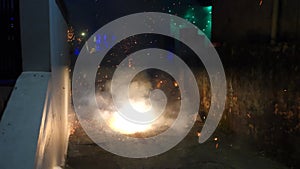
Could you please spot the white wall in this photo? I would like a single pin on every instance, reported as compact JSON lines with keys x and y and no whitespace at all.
{"x":34,"y":129}
{"x":21,"y":121}
{"x":54,"y":141}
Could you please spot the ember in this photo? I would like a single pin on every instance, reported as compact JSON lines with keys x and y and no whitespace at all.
{"x":198,"y":134}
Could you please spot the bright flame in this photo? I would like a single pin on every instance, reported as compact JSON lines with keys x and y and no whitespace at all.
{"x":124,"y":126}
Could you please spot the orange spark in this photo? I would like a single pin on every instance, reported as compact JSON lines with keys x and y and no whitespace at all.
{"x":198,"y":134}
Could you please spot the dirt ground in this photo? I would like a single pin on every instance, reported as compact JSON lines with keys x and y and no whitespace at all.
{"x":227,"y":152}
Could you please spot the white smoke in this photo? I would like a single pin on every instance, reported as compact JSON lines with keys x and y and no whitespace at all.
{"x":138,"y":92}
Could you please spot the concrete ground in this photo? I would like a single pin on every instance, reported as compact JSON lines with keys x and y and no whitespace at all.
{"x":227,"y":152}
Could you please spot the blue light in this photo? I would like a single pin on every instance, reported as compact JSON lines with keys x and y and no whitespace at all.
{"x":76,"y":51}
{"x":98,"y":39}
{"x":98,"y":42}
{"x":170,"y":56}
{"x":105,"y":42}
{"x":113,"y":38}
{"x":98,"y":47}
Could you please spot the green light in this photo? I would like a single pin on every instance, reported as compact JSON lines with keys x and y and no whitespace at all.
{"x":82,"y":33}
{"x":208,"y":8}
{"x":201,"y":17}
{"x":170,"y":11}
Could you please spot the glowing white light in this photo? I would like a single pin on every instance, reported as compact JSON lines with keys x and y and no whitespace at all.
{"x":57,"y":167}
{"x":140,"y":106}
{"x":124,"y":126}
